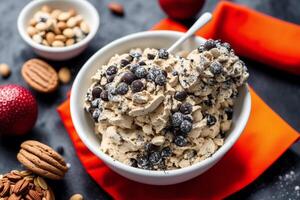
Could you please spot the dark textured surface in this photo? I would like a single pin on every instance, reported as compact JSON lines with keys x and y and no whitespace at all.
{"x":279,"y":90}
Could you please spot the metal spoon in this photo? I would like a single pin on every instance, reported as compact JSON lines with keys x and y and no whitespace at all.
{"x":203,"y":19}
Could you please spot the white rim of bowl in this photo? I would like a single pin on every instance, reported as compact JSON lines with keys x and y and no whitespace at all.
{"x":106,"y":158}
{"x":94,"y":27}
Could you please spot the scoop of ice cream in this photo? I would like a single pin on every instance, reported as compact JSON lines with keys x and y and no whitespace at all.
{"x":155,"y":110}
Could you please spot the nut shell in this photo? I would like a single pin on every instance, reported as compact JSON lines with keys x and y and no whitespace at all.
{"x":40,"y":75}
{"x":42,"y":160}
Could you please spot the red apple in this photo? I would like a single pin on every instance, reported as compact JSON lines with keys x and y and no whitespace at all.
{"x":181,"y":9}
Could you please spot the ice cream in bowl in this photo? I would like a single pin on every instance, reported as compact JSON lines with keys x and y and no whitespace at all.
{"x":157,"y":117}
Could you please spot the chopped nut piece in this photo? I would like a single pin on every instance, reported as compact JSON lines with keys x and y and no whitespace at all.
{"x":5,"y":70}
{"x":76,"y":197}
{"x":64,"y":75}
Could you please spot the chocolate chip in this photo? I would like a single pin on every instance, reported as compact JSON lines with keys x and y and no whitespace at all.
{"x":150,"y":56}
{"x":211,"y":120}
{"x":136,"y":55}
{"x":166,"y":152}
{"x":149,"y":147}
{"x":188,"y":118}
{"x":96,"y":92}
{"x":216,"y":68}
{"x":155,"y":158}
{"x":153,"y":73}
{"x":111,"y":70}
{"x":142,"y":63}
{"x":234,"y":94}
{"x":209,"y":44}
{"x":174,"y":73}
{"x":151,"y":76}
{"x":104,"y":95}
{"x":124,"y":62}
{"x":128,"y":77}
{"x":207,"y":102}
{"x":142,"y":161}
{"x":201,"y":49}
{"x":140,"y":72}
{"x":96,"y":114}
{"x":110,"y":78}
{"x":95,"y":103}
{"x":160,"y":80}
{"x":163,"y":54}
{"x":133,"y":67}
{"x":137,"y":86}
{"x":177,"y":119}
{"x":226,"y":45}
{"x":229,"y":113}
{"x":186,"y":108}
{"x":180,"y":141}
{"x":186,"y":126}
{"x":133,"y":162}
{"x":122,"y":88}
{"x":180,"y":95}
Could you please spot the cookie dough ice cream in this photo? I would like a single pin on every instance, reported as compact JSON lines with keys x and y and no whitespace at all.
{"x":154,"y":110}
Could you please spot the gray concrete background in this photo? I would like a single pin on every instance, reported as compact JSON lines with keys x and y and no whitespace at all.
{"x":281,"y":91}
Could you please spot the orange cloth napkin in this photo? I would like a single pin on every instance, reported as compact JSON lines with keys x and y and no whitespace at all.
{"x":252,"y":34}
{"x":265,"y":138}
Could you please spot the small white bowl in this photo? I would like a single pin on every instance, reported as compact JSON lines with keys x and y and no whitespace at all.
{"x":84,"y":125}
{"x":84,"y":8}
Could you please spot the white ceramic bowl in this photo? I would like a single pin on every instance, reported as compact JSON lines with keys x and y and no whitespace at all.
{"x":84,"y":8}
{"x":84,"y":125}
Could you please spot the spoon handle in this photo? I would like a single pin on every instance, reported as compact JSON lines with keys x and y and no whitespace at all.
{"x":203,"y":19}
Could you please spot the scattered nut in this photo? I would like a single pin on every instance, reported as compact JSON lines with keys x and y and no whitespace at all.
{"x":58,"y":43}
{"x":44,"y":42}
{"x":69,"y":42}
{"x":64,"y":16}
{"x":32,"y":22}
{"x":4,"y":70}
{"x":62,"y":25}
{"x":41,"y":26}
{"x":40,"y":75}
{"x":72,"y":12}
{"x":31,"y":31}
{"x":60,"y":38}
{"x":37,"y":38}
{"x":57,"y":28}
{"x":68,"y":33}
{"x":46,"y":9}
{"x":42,"y":183}
{"x":24,"y":185}
{"x":72,"y":22}
{"x":43,"y":161}
{"x":64,"y":75}
{"x":50,"y":36}
{"x":76,"y":197}
{"x":84,"y":27}
{"x":116,"y":8}
{"x":55,"y":13}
